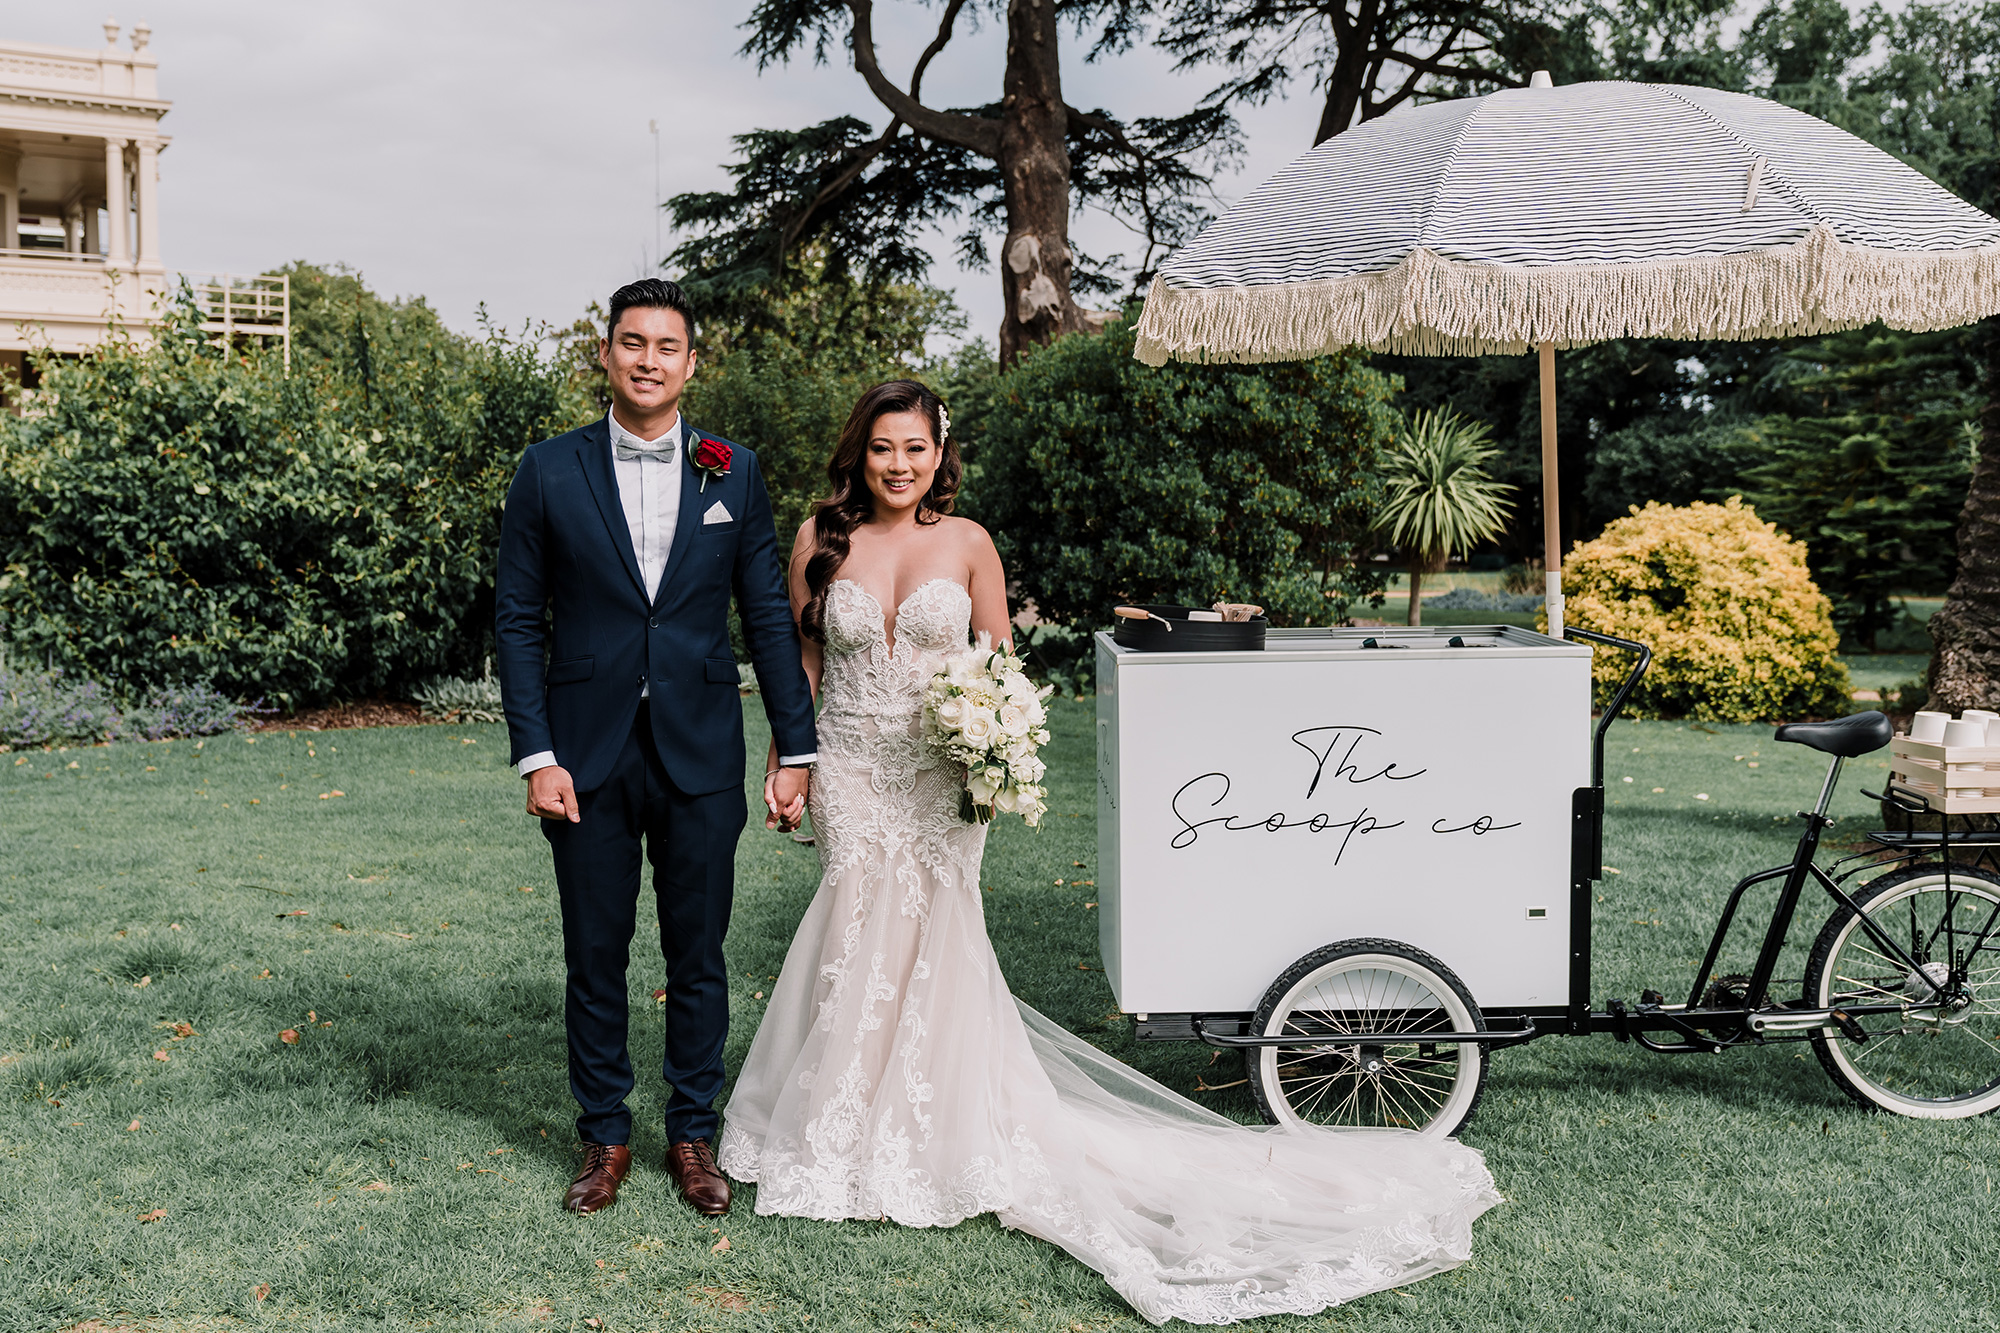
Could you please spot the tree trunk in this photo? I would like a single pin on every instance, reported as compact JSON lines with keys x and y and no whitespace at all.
{"x":1965,"y":633}
{"x":1416,"y":612}
{"x":1034,"y":167}
{"x":1344,"y":81}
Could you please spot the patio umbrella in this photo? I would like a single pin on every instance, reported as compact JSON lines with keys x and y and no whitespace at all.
{"x":1553,"y":217}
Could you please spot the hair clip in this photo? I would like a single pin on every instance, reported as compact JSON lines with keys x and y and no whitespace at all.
{"x":944,"y":422}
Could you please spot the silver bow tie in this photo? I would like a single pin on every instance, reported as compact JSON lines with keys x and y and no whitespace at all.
{"x":625,"y":452}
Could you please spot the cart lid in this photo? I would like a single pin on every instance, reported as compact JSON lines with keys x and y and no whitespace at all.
{"x":1372,"y":642}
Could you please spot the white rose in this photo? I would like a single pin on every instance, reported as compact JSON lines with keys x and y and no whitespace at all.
{"x":978,"y":728}
{"x":1007,"y":799}
{"x":1013,"y":721}
{"x":951,"y":712}
{"x":1029,"y":768}
{"x":982,"y":790}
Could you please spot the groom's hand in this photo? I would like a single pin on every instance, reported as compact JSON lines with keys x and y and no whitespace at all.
{"x":551,"y":794}
{"x":785,"y":795}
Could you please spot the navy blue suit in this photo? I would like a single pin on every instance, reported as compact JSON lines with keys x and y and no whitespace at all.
{"x":576,"y":639}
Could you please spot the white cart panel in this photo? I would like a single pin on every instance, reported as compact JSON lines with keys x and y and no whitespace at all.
{"x":1255,"y":806}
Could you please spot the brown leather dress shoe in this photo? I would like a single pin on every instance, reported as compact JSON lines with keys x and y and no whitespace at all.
{"x":692,"y":1165}
{"x":596,"y":1186}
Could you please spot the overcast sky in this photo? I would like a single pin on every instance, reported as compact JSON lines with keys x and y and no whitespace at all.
{"x":499,"y":151}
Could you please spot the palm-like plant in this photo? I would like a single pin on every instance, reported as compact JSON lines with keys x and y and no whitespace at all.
{"x":1441,"y":500}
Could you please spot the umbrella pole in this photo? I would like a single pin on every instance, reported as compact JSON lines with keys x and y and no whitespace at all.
{"x":1551,"y":501}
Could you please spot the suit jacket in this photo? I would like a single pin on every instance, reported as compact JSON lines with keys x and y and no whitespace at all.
{"x":576,"y":636}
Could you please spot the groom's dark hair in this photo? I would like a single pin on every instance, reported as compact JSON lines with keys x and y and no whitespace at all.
{"x":654,"y":293}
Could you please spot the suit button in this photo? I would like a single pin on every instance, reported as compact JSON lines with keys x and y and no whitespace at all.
{"x":653,"y":623}
{"x":642,"y":679}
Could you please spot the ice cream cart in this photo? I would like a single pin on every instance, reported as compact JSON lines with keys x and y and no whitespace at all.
{"x":1366,"y":857}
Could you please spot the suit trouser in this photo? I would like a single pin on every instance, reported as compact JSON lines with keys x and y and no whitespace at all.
{"x":691,"y":842}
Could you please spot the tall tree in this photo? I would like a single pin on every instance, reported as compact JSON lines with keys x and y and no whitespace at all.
{"x":1020,"y":164}
{"x":1361,"y":58}
{"x":1868,"y":467}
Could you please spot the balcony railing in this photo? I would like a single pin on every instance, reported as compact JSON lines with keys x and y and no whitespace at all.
{"x":39,"y":253}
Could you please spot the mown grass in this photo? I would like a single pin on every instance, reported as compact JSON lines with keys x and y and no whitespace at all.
{"x":400,"y":1165}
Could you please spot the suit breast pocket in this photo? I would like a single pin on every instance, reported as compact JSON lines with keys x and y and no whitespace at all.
{"x":571,"y":669}
{"x":720,"y":529}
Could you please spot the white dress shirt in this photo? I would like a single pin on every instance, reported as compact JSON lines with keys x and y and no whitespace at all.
{"x":649,"y":491}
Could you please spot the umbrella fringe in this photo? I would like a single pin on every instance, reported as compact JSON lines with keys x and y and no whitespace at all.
{"x":1428,"y":305}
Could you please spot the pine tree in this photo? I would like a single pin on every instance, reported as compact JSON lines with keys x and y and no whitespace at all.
{"x":1870,"y":465}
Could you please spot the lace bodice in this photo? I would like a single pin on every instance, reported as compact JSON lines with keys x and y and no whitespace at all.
{"x":867,"y":674}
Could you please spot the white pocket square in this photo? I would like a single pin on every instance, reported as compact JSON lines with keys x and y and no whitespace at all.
{"x":717,"y":513}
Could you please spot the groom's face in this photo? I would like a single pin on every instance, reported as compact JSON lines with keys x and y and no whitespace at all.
{"x":648,"y":360}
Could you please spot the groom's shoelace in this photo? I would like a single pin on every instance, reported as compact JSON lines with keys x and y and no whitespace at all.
{"x":699,"y":1150}
{"x":594,"y":1158}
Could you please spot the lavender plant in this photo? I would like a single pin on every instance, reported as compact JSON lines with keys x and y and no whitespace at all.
{"x":55,"y":707}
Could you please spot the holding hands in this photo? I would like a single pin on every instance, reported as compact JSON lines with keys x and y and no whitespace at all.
{"x":785,"y":797}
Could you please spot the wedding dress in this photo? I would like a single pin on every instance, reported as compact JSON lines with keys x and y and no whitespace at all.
{"x":894,"y":1076}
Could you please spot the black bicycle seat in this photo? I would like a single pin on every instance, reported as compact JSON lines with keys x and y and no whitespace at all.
{"x":1848,"y":737}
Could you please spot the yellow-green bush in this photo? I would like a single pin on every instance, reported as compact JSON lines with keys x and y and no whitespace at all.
{"x":1738,"y":629}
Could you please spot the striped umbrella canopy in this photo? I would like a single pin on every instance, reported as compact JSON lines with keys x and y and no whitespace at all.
{"x":1553,"y":217}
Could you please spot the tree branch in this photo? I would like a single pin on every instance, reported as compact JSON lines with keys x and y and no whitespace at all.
{"x":834,"y":188}
{"x":974,"y":133}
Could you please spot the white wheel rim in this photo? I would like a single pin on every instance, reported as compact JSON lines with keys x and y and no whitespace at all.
{"x":1856,"y":968}
{"x":1371,"y":992}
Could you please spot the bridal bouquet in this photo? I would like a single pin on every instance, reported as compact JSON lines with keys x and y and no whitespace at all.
{"x":981,"y":710}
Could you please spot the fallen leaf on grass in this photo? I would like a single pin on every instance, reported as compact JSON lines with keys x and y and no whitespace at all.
{"x":143,"y":982}
{"x":157,"y":1215}
{"x":497,"y":1151}
{"x":729,"y":1301}
{"x":289,"y":1036}
{"x":162,"y":1056}
{"x":527,"y":889}
{"x":329,"y":795}
{"x":377,"y":1185}
{"x":133,"y":1126}
{"x":181,"y":1030}
{"x":593,"y":1323}
{"x":660,"y":995}
{"x":600,"y":1263}
{"x":261,"y":1291}
{"x":720,"y":1246}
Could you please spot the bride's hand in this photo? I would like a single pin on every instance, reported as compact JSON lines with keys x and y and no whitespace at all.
{"x":785,"y":798}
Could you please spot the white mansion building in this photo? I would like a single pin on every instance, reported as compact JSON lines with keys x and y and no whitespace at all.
{"x":80,"y":147}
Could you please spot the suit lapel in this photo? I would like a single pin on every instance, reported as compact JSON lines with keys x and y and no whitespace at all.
{"x":690,"y":519}
{"x":595,"y":456}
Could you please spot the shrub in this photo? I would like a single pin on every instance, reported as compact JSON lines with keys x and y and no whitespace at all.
{"x":1472,"y":599}
{"x":52,"y":707}
{"x":177,"y":512}
{"x":1105,"y":481}
{"x":462,"y":698}
{"x":1738,"y":630}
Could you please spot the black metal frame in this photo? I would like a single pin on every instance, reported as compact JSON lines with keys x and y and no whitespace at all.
{"x":1692,"y":1027}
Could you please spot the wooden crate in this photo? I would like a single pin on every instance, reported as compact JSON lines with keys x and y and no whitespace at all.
{"x":1933,"y":770}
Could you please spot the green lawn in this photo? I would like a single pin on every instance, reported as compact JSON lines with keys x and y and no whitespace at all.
{"x":400,"y":1165}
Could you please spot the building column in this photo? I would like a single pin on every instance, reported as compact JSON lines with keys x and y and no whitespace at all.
{"x":116,"y":208}
{"x":10,"y":198}
{"x":148,"y":171}
{"x":73,"y":229}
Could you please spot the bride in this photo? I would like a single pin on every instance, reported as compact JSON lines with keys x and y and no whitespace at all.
{"x":894,"y":1076}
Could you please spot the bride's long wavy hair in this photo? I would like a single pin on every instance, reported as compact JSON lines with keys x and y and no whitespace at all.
{"x":850,"y":503}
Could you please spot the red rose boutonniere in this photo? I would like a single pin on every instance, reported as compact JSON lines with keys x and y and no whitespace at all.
{"x":711,"y":458}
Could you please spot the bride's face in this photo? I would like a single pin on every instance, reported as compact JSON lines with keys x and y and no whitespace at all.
{"x":900,"y":460}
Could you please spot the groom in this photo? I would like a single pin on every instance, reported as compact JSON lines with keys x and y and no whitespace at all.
{"x":619,"y":549}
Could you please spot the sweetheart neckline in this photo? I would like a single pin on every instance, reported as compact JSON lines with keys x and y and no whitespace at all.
{"x":888,"y":641}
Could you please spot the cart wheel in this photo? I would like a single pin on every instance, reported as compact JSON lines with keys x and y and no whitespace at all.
{"x":1934,"y":1062}
{"x":1401,"y":1082}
